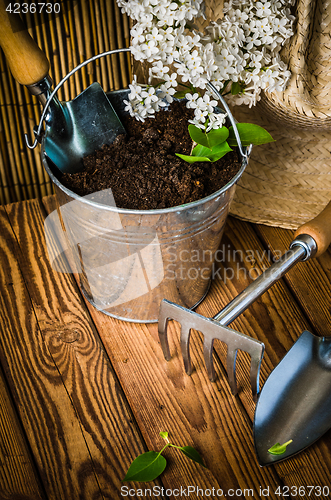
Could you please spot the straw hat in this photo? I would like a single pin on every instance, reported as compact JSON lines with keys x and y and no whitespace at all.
{"x":288,"y":182}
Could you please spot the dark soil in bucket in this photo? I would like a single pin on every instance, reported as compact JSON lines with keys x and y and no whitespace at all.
{"x":142,"y":169}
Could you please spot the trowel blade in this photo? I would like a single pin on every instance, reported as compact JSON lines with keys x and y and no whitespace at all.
{"x":295,"y":401}
{"x":79,"y":127}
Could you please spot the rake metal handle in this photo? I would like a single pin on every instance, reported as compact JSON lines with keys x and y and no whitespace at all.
{"x":302,"y":248}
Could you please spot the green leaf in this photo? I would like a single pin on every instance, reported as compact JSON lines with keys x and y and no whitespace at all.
{"x":209,"y":139}
{"x":192,"y":159}
{"x":200,"y":153}
{"x":219,"y":151}
{"x":164,"y":434}
{"x":146,"y":467}
{"x":198,"y":136}
{"x":279,"y":449}
{"x":217,"y":136}
{"x":180,"y":94}
{"x":249,"y":134}
{"x":224,"y":146}
{"x":192,"y":453}
{"x":200,"y":150}
{"x":236,"y":88}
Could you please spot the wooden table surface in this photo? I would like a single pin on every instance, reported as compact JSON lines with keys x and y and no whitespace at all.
{"x":83,"y":394}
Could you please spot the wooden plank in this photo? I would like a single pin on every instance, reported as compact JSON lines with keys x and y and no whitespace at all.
{"x":18,"y":477}
{"x":194,"y":412}
{"x":310,"y":281}
{"x":80,"y":428}
{"x":208,"y":416}
{"x":276,"y":318}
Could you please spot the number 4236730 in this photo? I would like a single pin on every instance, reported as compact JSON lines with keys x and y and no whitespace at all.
{"x":33,"y":8}
{"x":300,"y":491}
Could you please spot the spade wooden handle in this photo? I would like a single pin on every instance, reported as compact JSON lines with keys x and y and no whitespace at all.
{"x":27,"y":62}
{"x":319,"y":229}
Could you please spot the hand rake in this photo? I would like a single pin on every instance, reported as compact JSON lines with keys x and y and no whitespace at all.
{"x":309,"y":240}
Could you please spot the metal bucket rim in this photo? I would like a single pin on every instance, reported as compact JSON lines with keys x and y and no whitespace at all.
{"x":177,"y":208}
{"x":157,"y":211}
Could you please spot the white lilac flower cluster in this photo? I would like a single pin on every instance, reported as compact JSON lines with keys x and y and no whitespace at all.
{"x":238,"y":54}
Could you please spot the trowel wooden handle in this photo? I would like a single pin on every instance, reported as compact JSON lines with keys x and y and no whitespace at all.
{"x":27,"y":62}
{"x":319,"y":229}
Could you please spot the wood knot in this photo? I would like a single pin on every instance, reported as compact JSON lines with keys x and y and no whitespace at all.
{"x":68,"y":335}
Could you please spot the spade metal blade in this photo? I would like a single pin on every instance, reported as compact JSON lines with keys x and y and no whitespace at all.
{"x":295,"y":401}
{"x":79,"y":127}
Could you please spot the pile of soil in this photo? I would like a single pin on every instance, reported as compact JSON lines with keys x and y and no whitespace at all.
{"x":142,"y":169}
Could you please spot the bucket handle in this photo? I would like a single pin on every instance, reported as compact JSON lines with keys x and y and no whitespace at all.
{"x":50,"y":97}
{"x":232,"y":120}
{"x":117,"y":51}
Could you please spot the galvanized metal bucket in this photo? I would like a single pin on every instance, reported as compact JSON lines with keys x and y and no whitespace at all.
{"x":129,"y":260}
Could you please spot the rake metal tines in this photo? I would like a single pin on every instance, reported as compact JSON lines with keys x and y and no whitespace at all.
{"x":211,"y":330}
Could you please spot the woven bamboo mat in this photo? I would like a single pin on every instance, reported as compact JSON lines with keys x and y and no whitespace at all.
{"x":82,"y":29}
{"x":285,"y":183}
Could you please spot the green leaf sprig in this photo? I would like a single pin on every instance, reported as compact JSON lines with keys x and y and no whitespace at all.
{"x":148,"y":466}
{"x":213,"y":145}
{"x":279,"y":449}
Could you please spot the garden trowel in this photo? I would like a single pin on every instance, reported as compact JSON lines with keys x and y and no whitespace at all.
{"x":295,"y":402}
{"x":74,"y":129}
{"x":294,"y":405}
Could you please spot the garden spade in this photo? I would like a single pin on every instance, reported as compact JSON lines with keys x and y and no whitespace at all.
{"x":294,"y":405}
{"x":74,"y":129}
{"x":313,"y":355}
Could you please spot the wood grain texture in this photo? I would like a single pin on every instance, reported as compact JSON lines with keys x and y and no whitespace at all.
{"x":319,"y":229}
{"x":310,"y":281}
{"x":194,"y":411}
{"x":277,"y":318}
{"x":207,"y":415}
{"x":18,"y":477}
{"x":27,"y":62}
{"x":78,"y":421}
{"x":83,"y":29}
{"x":80,"y":428}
